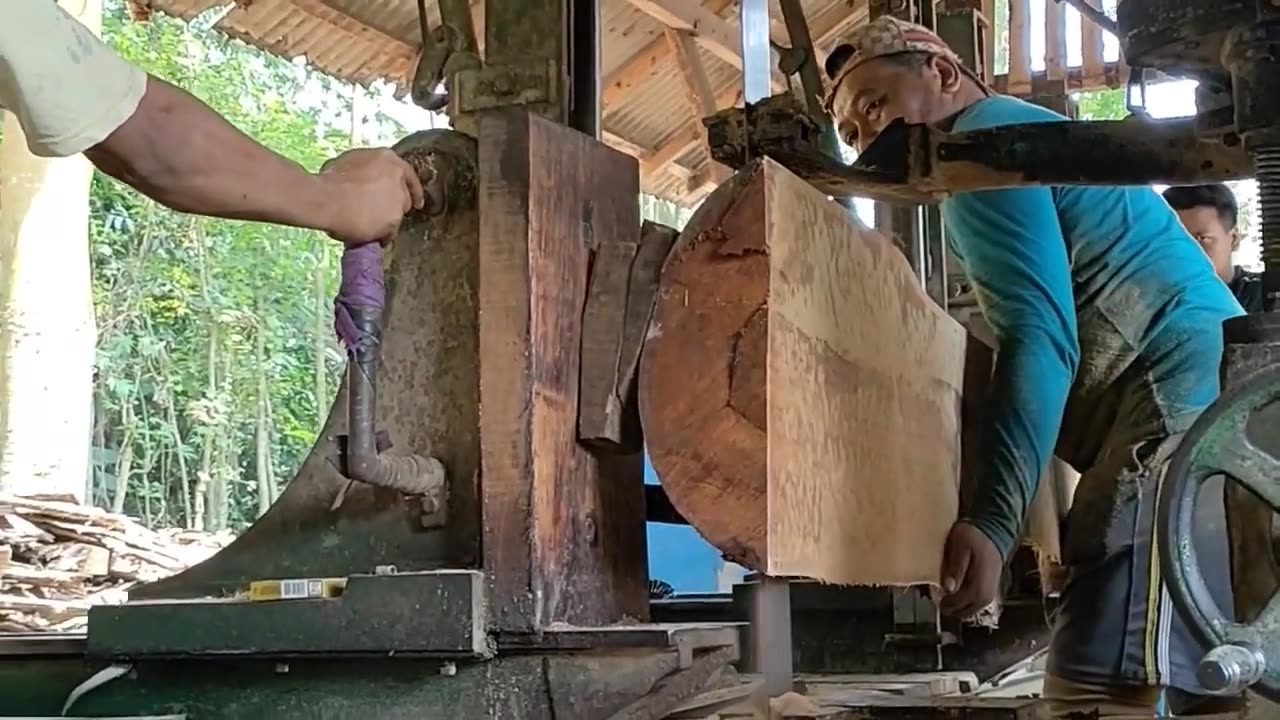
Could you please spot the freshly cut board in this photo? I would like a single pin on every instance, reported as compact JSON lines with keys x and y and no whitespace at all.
{"x":801,"y":394}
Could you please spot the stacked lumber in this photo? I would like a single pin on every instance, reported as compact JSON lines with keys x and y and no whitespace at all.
{"x":58,"y":557}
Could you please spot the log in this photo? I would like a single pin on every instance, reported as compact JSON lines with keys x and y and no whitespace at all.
{"x":800,"y":393}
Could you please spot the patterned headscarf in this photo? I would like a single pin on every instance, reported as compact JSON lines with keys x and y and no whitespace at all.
{"x":886,"y":35}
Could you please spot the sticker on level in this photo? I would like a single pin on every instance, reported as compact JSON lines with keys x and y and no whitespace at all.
{"x":296,"y":589}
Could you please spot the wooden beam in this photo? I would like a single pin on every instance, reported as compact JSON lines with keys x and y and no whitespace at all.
{"x":639,"y":152}
{"x":697,"y":85}
{"x":644,"y":64}
{"x":718,"y":36}
{"x":682,"y":142}
{"x":686,"y":138}
{"x":1055,"y":40}
{"x":379,"y":38}
{"x":621,"y":144}
{"x":1019,"y":46}
{"x":1093,"y":62}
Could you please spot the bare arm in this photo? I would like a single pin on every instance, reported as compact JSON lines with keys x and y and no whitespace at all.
{"x":180,"y":153}
{"x":71,"y":94}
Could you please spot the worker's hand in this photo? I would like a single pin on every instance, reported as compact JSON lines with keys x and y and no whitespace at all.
{"x":971,"y":567}
{"x":372,"y":190}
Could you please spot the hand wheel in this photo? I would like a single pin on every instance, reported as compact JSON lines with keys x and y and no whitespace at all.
{"x":1240,"y":654}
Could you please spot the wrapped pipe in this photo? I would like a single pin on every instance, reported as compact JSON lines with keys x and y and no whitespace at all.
{"x":358,"y":322}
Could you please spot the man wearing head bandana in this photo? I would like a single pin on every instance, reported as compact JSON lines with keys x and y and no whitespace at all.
{"x":1108,"y":321}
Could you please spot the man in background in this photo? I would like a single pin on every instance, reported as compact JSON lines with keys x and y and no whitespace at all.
{"x":73,"y":94}
{"x":1210,"y":213}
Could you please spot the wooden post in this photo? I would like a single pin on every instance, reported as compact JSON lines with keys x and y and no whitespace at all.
{"x":563,"y":529}
{"x":49,"y":332}
{"x":1093,"y":69}
{"x":1019,"y":47}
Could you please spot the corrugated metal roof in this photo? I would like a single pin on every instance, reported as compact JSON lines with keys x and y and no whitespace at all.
{"x":367,"y":40}
{"x":647,"y":114}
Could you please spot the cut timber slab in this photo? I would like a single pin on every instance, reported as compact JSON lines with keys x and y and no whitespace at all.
{"x":800,"y":393}
{"x":562,"y":526}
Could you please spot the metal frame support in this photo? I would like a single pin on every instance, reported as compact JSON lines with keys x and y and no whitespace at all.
{"x":584,"y":66}
{"x":771,"y":646}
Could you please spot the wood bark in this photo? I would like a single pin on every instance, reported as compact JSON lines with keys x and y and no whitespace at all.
{"x":47,"y":335}
{"x":801,"y":395}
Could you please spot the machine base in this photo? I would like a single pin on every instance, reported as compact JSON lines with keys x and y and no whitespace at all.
{"x":627,"y":672}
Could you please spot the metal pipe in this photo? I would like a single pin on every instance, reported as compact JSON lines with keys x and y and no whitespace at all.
{"x":411,"y":474}
{"x":584,"y":66}
{"x":811,"y":85}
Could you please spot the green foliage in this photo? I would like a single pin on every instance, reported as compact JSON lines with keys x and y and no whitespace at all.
{"x":182,"y":301}
{"x":1102,"y":105}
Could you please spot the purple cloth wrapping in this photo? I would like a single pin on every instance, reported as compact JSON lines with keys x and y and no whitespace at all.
{"x":362,"y":286}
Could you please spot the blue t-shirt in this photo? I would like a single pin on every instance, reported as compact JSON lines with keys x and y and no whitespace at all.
{"x":1077,"y":283}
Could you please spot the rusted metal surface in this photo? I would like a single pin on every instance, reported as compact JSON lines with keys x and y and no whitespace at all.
{"x":451,"y":47}
{"x":916,"y":164}
{"x":435,"y":614}
{"x":430,"y":355}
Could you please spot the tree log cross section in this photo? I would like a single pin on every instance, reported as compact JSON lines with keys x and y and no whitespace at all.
{"x":800,"y":393}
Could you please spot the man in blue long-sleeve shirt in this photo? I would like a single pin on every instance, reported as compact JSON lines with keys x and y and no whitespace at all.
{"x":1108,"y":319}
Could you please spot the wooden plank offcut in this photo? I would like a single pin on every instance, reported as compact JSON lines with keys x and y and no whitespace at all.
{"x":563,"y":529}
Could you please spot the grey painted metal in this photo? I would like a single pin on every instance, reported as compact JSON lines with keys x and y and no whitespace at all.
{"x":1231,"y":669}
{"x":771,"y":633}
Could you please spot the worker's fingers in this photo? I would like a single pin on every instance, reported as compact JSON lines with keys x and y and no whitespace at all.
{"x":961,"y":604}
{"x":956,"y":558}
{"x":416,"y":194}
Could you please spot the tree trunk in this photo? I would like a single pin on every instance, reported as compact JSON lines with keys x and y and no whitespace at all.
{"x":204,"y":479}
{"x":262,"y":435}
{"x":184,"y":477}
{"x":224,"y":472}
{"x":100,"y":443}
{"x":124,"y":462}
{"x":321,"y":333}
{"x":47,"y":335}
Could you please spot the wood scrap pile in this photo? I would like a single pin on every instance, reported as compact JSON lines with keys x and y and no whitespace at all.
{"x":58,"y":557}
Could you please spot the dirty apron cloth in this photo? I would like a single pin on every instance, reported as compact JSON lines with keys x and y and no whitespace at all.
{"x":1115,"y":622}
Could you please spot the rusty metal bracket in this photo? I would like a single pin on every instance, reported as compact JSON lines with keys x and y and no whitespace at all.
{"x":918,"y":165}
{"x":499,"y":86}
{"x":447,"y":50}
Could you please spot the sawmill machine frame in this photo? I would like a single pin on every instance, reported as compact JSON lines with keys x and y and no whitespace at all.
{"x":476,"y":492}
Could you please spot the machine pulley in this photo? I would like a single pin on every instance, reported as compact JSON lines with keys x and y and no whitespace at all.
{"x":1245,"y":652}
